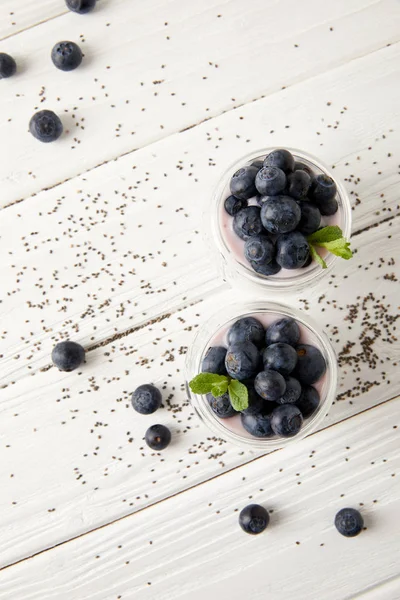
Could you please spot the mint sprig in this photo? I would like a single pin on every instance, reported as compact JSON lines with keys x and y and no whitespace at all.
{"x":217,"y":385}
{"x":332,"y":239}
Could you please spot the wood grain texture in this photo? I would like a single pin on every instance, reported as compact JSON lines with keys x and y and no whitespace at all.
{"x":191,"y":546}
{"x":16,"y":17}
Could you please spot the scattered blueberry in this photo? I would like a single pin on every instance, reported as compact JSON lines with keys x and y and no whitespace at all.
{"x":292,"y":250}
{"x":266,"y":269}
{"x":253,"y":519}
{"x":157,"y":437}
{"x":68,"y":356}
{"x":214,"y":360}
{"x":292,"y":392}
{"x":66,"y":56}
{"x":242,"y":183}
{"x":247,"y":329}
{"x":308,"y":401}
{"x":80,"y":6}
{"x":247,"y":222}
{"x":233,"y":205}
{"x":349,"y":522}
{"x":299,"y":183}
{"x":270,"y":385}
{"x":284,"y":330}
{"x":282,"y":159}
{"x":7,"y":65}
{"x":221,"y":406}
{"x":45,"y":126}
{"x":257,"y":423}
{"x":323,"y":188}
{"x":280,"y":214}
{"x":270,"y":181}
{"x":259,"y":249}
{"x":310,"y":364}
{"x":286,"y":420}
{"x":310,"y":219}
{"x":280,"y":357}
{"x":242,"y":360}
{"x":146,"y":399}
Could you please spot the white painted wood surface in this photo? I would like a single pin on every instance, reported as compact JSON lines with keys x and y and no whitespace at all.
{"x":113,"y":256}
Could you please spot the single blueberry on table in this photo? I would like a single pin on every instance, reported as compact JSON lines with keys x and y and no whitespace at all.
{"x":66,"y":56}
{"x":45,"y":126}
{"x":292,"y":392}
{"x":259,"y":249}
{"x":221,"y":406}
{"x":280,"y":357}
{"x":214,"y":360}
{"x":323,"y":189}
{"x":308,"y":401}
{"x":310,"y":219}
{"x":253,"y":519}
{"x":247,"y":222}
{"x":257,"y":424}
{"x":242,"y":183}
{"x":247,"y":329}
{"x":242,"y":360}
{"x":270,"y":385}
{"x":299,"y":183}
{"x":349,"y":522}
{"x":146,"y":399}
{"x":286,"y":420}
{"x":266,"y":269}
{"x":157,"y":437}
{"x":81,"y":6}
{"x":310,"y":365}
{"x":7,"y":65}
{"x":270,"y":181}
{"x":292,"y":250}
{"x":282,"y":159}
{"x":68,"y":356}
{"x":280,"y":214}
{"x":284,"y":330}
{"x":232,"y":205}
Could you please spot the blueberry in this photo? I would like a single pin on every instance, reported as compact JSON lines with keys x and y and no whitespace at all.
{"x":68,"y":356}
{"x":221,"y":406}
{"x":247,"y":329}
{"x":242,"y":360}
{"x":299,"y":182}
{"x":256,"y":403}
{"x":261,"y":199}
{"x":7,"y":65}
{"x":253,"y":519}
{"x":284,"y":330}
{"x":66,"y":56}
{"x":233,"y":205}
{"x":292,"y":393}
{"x":247,"y":222}
{"x":328,"y":207}
{"x":292,"y":250}
{"x":349,"y":522}
{"x":270,"y":181}
{"x":308,"y":262}
{"x":266,"y":269}
{"x":257,"y":424}
{"x":282,"y":159}
{"x":310,"y":219}
{"x":259,"y":249}
{"x":286,"y":420}
{"x":280,"y":357}
{"x":242,"y":183}
{"x":146,"y":399}
{"x":214,"y":360}
{"x":323,"y":189}
{"x":157,"y":437}
{"x":45,"y":126}
{"x":258,"y":164}
{"x":270,"y":385}
{"x":280,"y":214}
{"x":310,"y":364}
{"x":81,"y":6}
{"x":308,"y":401}
{"x":300,"y":166}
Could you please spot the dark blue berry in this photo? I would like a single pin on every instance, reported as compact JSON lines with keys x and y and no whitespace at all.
{"x":247,"y":222}
{"x":7,"y":65}
{"x":266,"y":269}
{"x":68,"y":356}
{"x":308,"y":262}
{"x":280,"y":357}
{"x":270,"y":181}
{"x":310,"y":364}
{"x":45,"y":126}
{"x":259,"y":249}
{"x":270,"y":385}
{"x":221,"y":406}
{"x":81,"y":6}
{"x":299,"y":182}
{"x":349,"y":522}
{"x":328,"y":207}
{"x":214,"y":360}
{"x":157,"y":437}
{"x":286,"y":420}
{"x":232,"y":205}
{"x":257,"y":424}
{"x":253,"y":519}
{"x":261,"y":199}
{"x":292,"y":393}
{"x":280,"y":214}
{"x":282,"y":159}
{"x":242,"y":183}
{"x":292,"y":250}
{"x":256,"y":403}
{"x":146,"y":399}
{"x":299,"y":166}
{"x":308,"y":401}
{"x":258,"y":164}
{"x":66,"y":56}
{"x":310,"y":219}
{"x":247,"y":329}
{"x":242,"y":360}
{"x":323,"y":189}
{"x":284,"y":330}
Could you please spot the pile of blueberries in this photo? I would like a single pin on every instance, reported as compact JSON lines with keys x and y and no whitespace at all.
{"x":277,"y":370}
{"x":275,"y":205}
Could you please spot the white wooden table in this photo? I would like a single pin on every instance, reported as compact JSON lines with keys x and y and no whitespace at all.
{"x":101,"y":242}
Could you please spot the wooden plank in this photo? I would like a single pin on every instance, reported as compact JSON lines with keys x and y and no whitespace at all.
{"x":190,"y":546}
{"x":18,"y":16}
{"x":143,"y":80}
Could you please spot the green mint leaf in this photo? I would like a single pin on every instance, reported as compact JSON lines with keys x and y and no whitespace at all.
{"x":317,"y":257}
{"x":217,"y":389}
{"x":238,"y":395}
{"x":203,"y":382}
{"x":326,"y":234}
{"x":339,"y":247}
